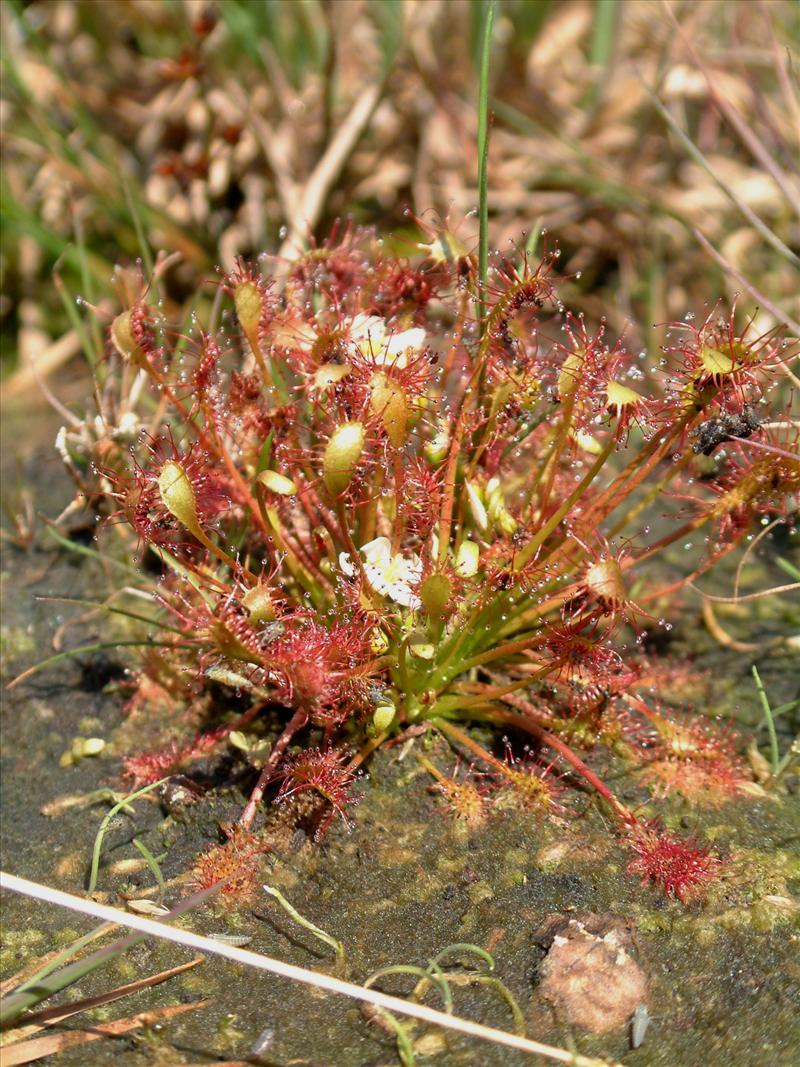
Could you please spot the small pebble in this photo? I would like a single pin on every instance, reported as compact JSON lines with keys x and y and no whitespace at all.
{"x":263,"y":1042}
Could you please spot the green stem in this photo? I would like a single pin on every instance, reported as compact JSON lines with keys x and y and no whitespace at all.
{"x":539,"y":538}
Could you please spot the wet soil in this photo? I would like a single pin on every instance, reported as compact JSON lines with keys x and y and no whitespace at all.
{"x":723,"y":974}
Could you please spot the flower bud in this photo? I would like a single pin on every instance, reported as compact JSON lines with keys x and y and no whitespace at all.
{"x":177,"y":496}
{"x":277,"y":483}
{"x":434,"y":594}
{"x":499,"y":515}
{"x":436,"y":450}
{"x":247,"y":301}
{"x":388,"y":401}
{"x":124,"y":340}
{"x":384,"y":716}
{"x":378,"y":642}
{"x":342,"y":454}
{"x":467,"y":559}
{"x":258,"y":604}
{"x":422,"y":649}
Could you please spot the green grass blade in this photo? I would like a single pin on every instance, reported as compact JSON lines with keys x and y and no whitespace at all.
{"x":101,"y":833}
{"x":29,"y":995}
{"x":101,"y":605}
{"x":405,"y":1049}
{"x":152,"y":863}
{"x":603,"y":32}
{"x":63,"y":957}
{"x":502,"y":989}
{"x":99,"y":647}
{"x":92,"y":553}
{"x":775,"y":759}
{"x":465,"y":946}
{"x":788,"y":568}
{"x":337,"y":946}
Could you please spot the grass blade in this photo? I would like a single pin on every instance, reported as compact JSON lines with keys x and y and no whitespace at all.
{"x":337,"y":946}
{"x":483,"y":159}
{"x":52,"y":1015}
{"x":770,"y":237}
{"x":100,"y":647}
{"x":774,"y":753}
{"x":101,"y":833}
{"x":604,"y":24}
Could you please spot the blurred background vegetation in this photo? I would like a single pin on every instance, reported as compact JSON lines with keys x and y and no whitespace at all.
{"x":657,"y":143}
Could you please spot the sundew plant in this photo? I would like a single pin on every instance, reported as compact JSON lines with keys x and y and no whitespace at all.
{"x":381,"y":500}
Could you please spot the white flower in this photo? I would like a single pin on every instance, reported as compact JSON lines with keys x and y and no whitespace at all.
{"x":369,"y":333}
{"x":391,"y":576}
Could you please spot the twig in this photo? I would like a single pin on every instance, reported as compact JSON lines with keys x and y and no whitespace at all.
{"x":722,"y":636}
{"x":747,"y":135}
{"x":757,"y":223}
{"x":312,"y":199}
{"x":756,"y":294}
{"x":483,"y":162}
{"x":790,"y":588}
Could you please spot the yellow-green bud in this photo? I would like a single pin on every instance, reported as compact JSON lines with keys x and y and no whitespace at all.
{"x":123,"y":339}
{"x":177,"y":496}
{"x":239,"y":740}
{"x":277,"y":483}
{"x":257,"y":602}
{"x":434,"y":594}
{"x":378,"y":642}
{"x":499,"y":515}
{"x":421,"y":648}
{"x":436,"y":449}
{"x":467,"y":559}
{"x":247,"y":301}
{"x":383,"y":717}
{"x":388,"y":401}
{"x":342,"y":454}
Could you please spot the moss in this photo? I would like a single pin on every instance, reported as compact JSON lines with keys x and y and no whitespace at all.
{"x":19,"y":946}
{"x":17,"y":645}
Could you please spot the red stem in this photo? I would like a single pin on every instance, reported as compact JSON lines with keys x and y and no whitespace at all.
{"x":526,"y":722}
{"x":297,"y":722}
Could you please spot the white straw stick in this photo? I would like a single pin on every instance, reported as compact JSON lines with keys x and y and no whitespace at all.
{"x":296,"y":974}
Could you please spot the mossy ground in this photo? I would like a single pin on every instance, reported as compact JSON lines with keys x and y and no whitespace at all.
{"x":724,"y":974}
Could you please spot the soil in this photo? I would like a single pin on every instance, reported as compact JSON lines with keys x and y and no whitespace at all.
{"x":722,"y":975}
